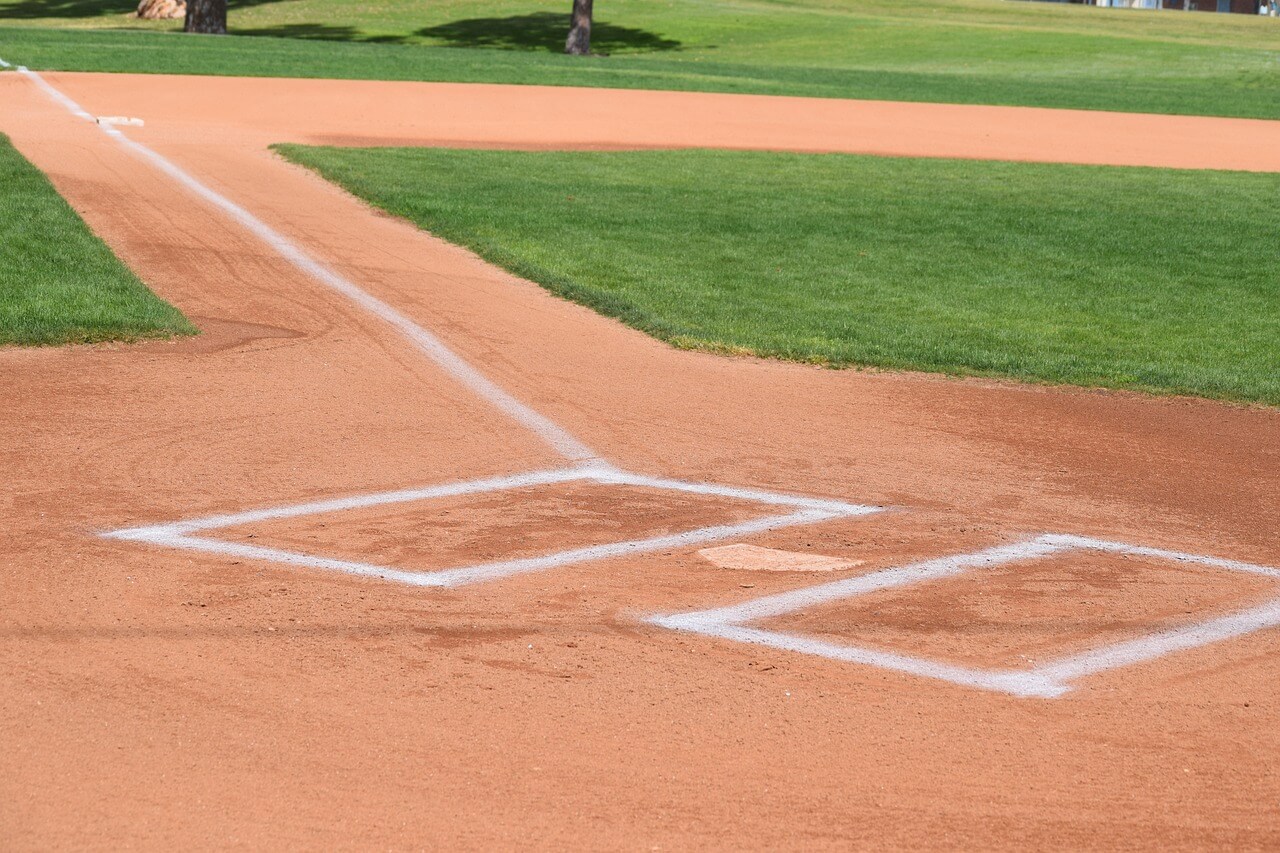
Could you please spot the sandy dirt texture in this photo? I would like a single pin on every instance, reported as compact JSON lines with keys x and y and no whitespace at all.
{"x":155,"y":699}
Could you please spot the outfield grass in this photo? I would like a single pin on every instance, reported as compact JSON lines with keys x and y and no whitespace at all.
{"x":959,"y":51}
{"x":58,"y":282}
{"x":1120,"y":277}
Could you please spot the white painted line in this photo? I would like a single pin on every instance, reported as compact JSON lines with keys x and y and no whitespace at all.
{"x":1002,"y":681}
{"x":799,"y":599}
{"x":70,"y":105}
{"x":491,"y":571}
{"x":177,"y":534}
{"x":292,"y":558}
{"x":758,"y":495}
{"x":1047,"y":680}
{"x":476,"y":573}
{"x":1088,"y":543}
{"x":1157,"y":645}
{"x":435,"y":349}
{"x":465,"y":487}
{"x":558,"y":438}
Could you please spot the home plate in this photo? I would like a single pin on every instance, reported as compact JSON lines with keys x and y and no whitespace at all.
{"x":753,"y":558}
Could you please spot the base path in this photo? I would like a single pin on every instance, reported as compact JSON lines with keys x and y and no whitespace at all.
{"x":157,"y":698}
{"x":359,"y":112}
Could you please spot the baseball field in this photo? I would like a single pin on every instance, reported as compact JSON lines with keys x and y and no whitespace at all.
{"x":812,"y":425}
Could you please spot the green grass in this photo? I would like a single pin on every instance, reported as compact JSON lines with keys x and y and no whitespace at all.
{"x":960,"y":51}
{"x":58,"y":282}
{"x":1120,"y":277}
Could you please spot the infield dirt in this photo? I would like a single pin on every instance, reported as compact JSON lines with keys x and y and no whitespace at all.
{"x":156,"y":698}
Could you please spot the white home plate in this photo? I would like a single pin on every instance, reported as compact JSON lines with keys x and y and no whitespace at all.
{"x":753,"y":558}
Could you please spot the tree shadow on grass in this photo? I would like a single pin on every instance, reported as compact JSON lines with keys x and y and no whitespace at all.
{"x":544,"y":31}
{"x":65,"y":8}
{"x":323,"y":32}
{"x":88,"y":8}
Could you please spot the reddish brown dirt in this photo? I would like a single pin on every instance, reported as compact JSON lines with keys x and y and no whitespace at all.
{"x":156,"y":699}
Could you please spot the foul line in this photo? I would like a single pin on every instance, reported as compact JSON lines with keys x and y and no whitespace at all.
{"x":560,"y":439}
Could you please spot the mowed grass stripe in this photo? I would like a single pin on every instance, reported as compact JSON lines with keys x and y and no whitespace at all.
{"x":58,"y":282}
{"x":1149,"y":279}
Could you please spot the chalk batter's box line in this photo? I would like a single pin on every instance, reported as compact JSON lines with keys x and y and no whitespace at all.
{"x":1047,"y":680}
{"x":801,"y":510}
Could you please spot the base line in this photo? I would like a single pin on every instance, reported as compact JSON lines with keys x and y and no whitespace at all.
{"x":559,"y":439}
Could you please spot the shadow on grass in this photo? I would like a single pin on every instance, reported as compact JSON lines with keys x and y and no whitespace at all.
{"x":321,"y":32}
{"x":88,"y":8}
{"x":538,"y":31}
{"x":65,"y":8}
{"x":544,"y":31}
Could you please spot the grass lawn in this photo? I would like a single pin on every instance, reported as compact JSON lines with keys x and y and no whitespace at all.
{"x":1120,"y":277}
{"x":959,"y":51}
{"x":58,"y":282}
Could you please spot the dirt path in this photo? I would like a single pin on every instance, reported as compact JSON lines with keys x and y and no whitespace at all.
{"x":356,"y":112}
{"x":158,"y":698}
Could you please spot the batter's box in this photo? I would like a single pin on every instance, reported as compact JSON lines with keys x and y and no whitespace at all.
{"x":783,"y":510}
{"x":1047,"y":678}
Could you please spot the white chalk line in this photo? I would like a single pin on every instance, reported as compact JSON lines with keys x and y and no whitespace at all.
{"x":484,"y":571}
{"x":1157,"y":645}
{"x":70,"y":105}
{"x":178,"y":534}
{"x":465,"y":487}
{"x":1047,"y":680}
{"x":1089,"y":543}
{"x":435,"y":349}
{"x":798,"y":599}
{"x":758,"y":495}
{"x":1005,"y":681}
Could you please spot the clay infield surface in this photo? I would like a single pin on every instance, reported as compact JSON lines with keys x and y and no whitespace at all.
{"x":157,"y":697}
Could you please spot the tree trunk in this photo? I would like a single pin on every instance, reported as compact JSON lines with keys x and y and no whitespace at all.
{"x":579,"y":41}
{"x":206,"y":16}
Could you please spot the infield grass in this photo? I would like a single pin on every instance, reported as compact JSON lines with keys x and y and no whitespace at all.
{"x":58,"y":282}
{"x":958,"y":51}
{"x":1148,"y":279}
